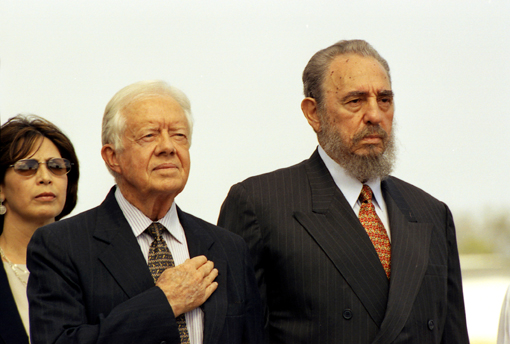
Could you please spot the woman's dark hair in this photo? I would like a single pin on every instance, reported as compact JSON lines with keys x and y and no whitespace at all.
{"x":18,"y":137}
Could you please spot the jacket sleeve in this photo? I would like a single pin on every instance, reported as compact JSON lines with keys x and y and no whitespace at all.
{"x":237,"y":215}
{"x":455,"y":330}
{"x":58,"y":303}
{"x":254,"y":326}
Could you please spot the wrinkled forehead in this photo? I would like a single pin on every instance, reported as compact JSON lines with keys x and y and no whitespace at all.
{"x":154,"y":113}
{"x":353,"y":69}
{"x":353,"y":65}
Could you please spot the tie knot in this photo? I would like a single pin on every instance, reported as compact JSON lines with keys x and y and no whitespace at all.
{"x":155,"y":230}
{"x":366,"y":194}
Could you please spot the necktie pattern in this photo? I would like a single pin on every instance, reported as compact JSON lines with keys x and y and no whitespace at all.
{"x":375,"y":229}
{"x":160,"y":259}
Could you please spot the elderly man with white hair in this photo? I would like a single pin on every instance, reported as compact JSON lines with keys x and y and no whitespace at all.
{"x":137,"y":269}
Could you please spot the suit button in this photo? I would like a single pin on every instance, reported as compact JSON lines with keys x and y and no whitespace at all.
{"x":163,"y":342}
{"x":431,"y":324}
{"x":347,"y":314}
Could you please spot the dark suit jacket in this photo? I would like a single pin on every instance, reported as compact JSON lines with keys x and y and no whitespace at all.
{"x":89,"y":283}
{"x":320,"y":276}
{"x":12,"y":330}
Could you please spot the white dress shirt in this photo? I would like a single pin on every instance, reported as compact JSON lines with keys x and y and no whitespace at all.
{"x":351,"y":189}
{"x":177,"y":244}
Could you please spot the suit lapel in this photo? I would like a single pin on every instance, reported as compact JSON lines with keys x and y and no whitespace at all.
{"x":122,"y":257}
{"x":200,"y":242}
{"x":121,"y":254}
{"x":409,"y":260}
{"x":338,"y":232}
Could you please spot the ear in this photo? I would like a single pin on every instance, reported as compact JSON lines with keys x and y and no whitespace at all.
{"x":110,"y":157}
{"x":309,"y":108}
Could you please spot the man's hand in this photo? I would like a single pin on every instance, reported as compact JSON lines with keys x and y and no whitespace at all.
{"x":189,"y":284}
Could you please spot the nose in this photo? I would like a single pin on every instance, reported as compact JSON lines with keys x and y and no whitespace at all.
{"x":165,"y":144}
{"x":44,"y":176}
{"x":373,"y":114}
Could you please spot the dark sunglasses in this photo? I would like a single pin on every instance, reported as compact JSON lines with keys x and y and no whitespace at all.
{"x":28,"y":167}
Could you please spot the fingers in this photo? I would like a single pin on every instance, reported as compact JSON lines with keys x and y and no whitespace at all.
{"x":201,"y":264}
{"x":210,"y":276}
{"x":206,"y":268}
{"x":210,"y":289}
{"x":196,"y":262}
{"x":190,"y":284}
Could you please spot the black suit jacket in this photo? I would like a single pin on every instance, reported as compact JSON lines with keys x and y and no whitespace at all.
{"x":89,"y":283}
{"x":12,"y":330}
{"x":319,"y":274}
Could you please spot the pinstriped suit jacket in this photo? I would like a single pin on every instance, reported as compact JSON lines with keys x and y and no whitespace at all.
{"x":319,"y":274}
{"x":89,"y":283}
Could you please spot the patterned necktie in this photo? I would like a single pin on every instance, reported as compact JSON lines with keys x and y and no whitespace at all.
{"x":160,"y":259}
{"x":375,"y":229}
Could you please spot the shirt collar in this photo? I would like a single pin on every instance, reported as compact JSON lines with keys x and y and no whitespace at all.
{"x":139,"y":222}
{"x":350,"y":186}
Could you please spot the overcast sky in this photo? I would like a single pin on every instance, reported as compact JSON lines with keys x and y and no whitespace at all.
{"x":240,"y":63}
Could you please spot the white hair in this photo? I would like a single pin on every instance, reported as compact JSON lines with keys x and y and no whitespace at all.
{"x":114,"y":122}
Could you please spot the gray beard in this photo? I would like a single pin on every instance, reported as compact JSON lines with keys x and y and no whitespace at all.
{"x":362,"y":167}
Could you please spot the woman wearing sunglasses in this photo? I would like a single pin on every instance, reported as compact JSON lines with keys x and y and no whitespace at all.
{"x":38,"y":185}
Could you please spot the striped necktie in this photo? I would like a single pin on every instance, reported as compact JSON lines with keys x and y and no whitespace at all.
{"x":161,"y":259}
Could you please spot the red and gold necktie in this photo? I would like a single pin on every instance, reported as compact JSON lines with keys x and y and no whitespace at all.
{"x":161,"y":259}
{"x":375,"y":229}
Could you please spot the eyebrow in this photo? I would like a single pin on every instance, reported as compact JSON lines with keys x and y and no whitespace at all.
{"x":384,"y":93}
{"x":355,"y":94}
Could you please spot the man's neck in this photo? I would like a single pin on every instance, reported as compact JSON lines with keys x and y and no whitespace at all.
{"x":154,"y":206}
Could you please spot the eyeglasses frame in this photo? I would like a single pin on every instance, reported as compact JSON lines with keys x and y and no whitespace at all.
{"x":39,"y":163}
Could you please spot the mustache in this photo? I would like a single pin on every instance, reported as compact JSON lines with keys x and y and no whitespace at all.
{"x":370,"y":130}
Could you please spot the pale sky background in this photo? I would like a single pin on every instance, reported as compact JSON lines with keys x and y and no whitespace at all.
{"x":240,"y":63}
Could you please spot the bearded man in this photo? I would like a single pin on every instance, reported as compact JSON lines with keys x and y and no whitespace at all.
{"x":344,"y":252}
